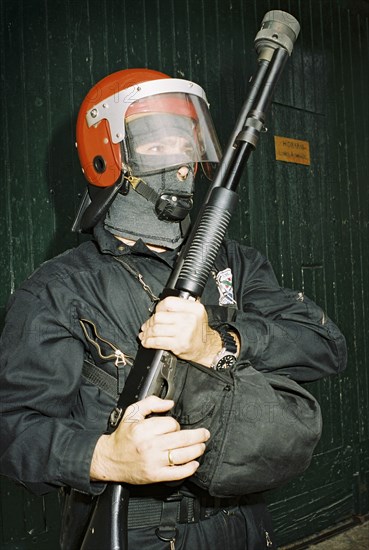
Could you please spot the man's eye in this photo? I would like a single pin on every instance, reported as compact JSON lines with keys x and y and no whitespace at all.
{"x":155,"y":149}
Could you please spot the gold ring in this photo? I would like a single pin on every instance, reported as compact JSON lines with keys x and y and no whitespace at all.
{"x":170,"y":459}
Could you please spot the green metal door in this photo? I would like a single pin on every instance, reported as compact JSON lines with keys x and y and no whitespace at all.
{"x":311,"y":219}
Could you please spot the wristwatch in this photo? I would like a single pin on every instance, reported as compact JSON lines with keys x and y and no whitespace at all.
{"x":227,"y":357}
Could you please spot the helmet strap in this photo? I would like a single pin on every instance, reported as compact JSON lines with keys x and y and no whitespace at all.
{"x":170,"y":206}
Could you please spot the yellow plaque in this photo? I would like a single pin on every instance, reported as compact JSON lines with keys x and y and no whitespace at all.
{"x":292,"y":150}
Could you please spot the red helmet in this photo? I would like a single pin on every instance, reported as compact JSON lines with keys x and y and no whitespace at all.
{"x":118,"y":134}
{"x":100,"y":157}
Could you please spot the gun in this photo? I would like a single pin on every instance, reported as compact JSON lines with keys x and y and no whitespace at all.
{"x":153,"y":370}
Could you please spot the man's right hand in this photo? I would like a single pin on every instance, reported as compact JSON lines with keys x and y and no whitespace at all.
{"x":140,"y":449}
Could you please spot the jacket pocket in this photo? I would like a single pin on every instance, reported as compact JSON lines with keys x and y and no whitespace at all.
{"x":105,"y":354}
{"x":205,"y":401}
{"x":268,"y":438}
{"x":105,"y":350}
{"x":263,"y":428}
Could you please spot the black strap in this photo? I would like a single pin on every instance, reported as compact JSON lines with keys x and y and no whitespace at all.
{"x":143,"y":189}
{"x":100,"y":378}
{"x":146,"y":511}
{"x":167,"y":530}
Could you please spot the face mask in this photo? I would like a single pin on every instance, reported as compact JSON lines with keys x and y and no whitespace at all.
{"x":154,"y":212}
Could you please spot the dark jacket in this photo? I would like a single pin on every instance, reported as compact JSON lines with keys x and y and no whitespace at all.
{"x":84,"y":304}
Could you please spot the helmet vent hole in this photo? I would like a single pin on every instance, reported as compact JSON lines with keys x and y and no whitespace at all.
{"x":99,"y":164}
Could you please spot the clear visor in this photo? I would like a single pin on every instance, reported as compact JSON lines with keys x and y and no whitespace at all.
{"x":169,"y":130}
{"x":161,"y":124}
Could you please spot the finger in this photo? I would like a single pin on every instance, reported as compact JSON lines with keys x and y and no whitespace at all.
{"x":160,"y":425}
{"x":184,"y":438}
{"x":162,"y":318}
{"x":152,"y":404}
{"x":158,"y":342}
{"x":162,"y":329}
{"x":179,"y":456}
{"x":173,"y":303}
{"x":174,"y":473}
{"x":165,"y":317}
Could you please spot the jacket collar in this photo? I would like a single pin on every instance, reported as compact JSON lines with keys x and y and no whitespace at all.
{"x":108,"y":244}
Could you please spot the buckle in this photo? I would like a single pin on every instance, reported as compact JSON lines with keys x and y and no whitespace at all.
{"x":115,"y":417}
{"x":174,"y":497}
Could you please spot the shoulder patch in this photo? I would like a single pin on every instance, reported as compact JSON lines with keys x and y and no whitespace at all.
{"x":224,"y":283}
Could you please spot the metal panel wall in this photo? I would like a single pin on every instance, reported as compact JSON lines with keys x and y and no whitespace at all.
{"x":311,"y":221}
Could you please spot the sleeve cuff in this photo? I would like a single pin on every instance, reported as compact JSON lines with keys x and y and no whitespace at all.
{"x":76,"y":463}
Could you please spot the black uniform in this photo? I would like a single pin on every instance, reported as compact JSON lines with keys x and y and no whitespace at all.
{"x":81,"y":309}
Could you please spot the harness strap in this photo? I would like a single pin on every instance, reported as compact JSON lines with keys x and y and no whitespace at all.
{"x":167,"y":530}
{"x":100,"y":378}
{"x":143,"y":189}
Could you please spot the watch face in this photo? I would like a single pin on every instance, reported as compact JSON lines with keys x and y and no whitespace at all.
{"x":226,"y":362}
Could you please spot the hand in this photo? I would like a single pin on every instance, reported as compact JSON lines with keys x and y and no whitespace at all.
{"x":181,"y":326}
{"x":138,"y":451}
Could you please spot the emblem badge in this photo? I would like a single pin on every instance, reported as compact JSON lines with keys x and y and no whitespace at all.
{"x":224,"y":283}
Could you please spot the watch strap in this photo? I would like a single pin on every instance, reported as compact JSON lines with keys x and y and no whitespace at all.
{"x":228,"y":341}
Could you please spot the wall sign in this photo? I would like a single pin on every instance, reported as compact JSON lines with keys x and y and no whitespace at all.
{"x":292,"y":150}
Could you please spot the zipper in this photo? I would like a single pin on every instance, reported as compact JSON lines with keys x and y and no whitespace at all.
{"x":120,"y":359}
{"x":268,"y":540}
